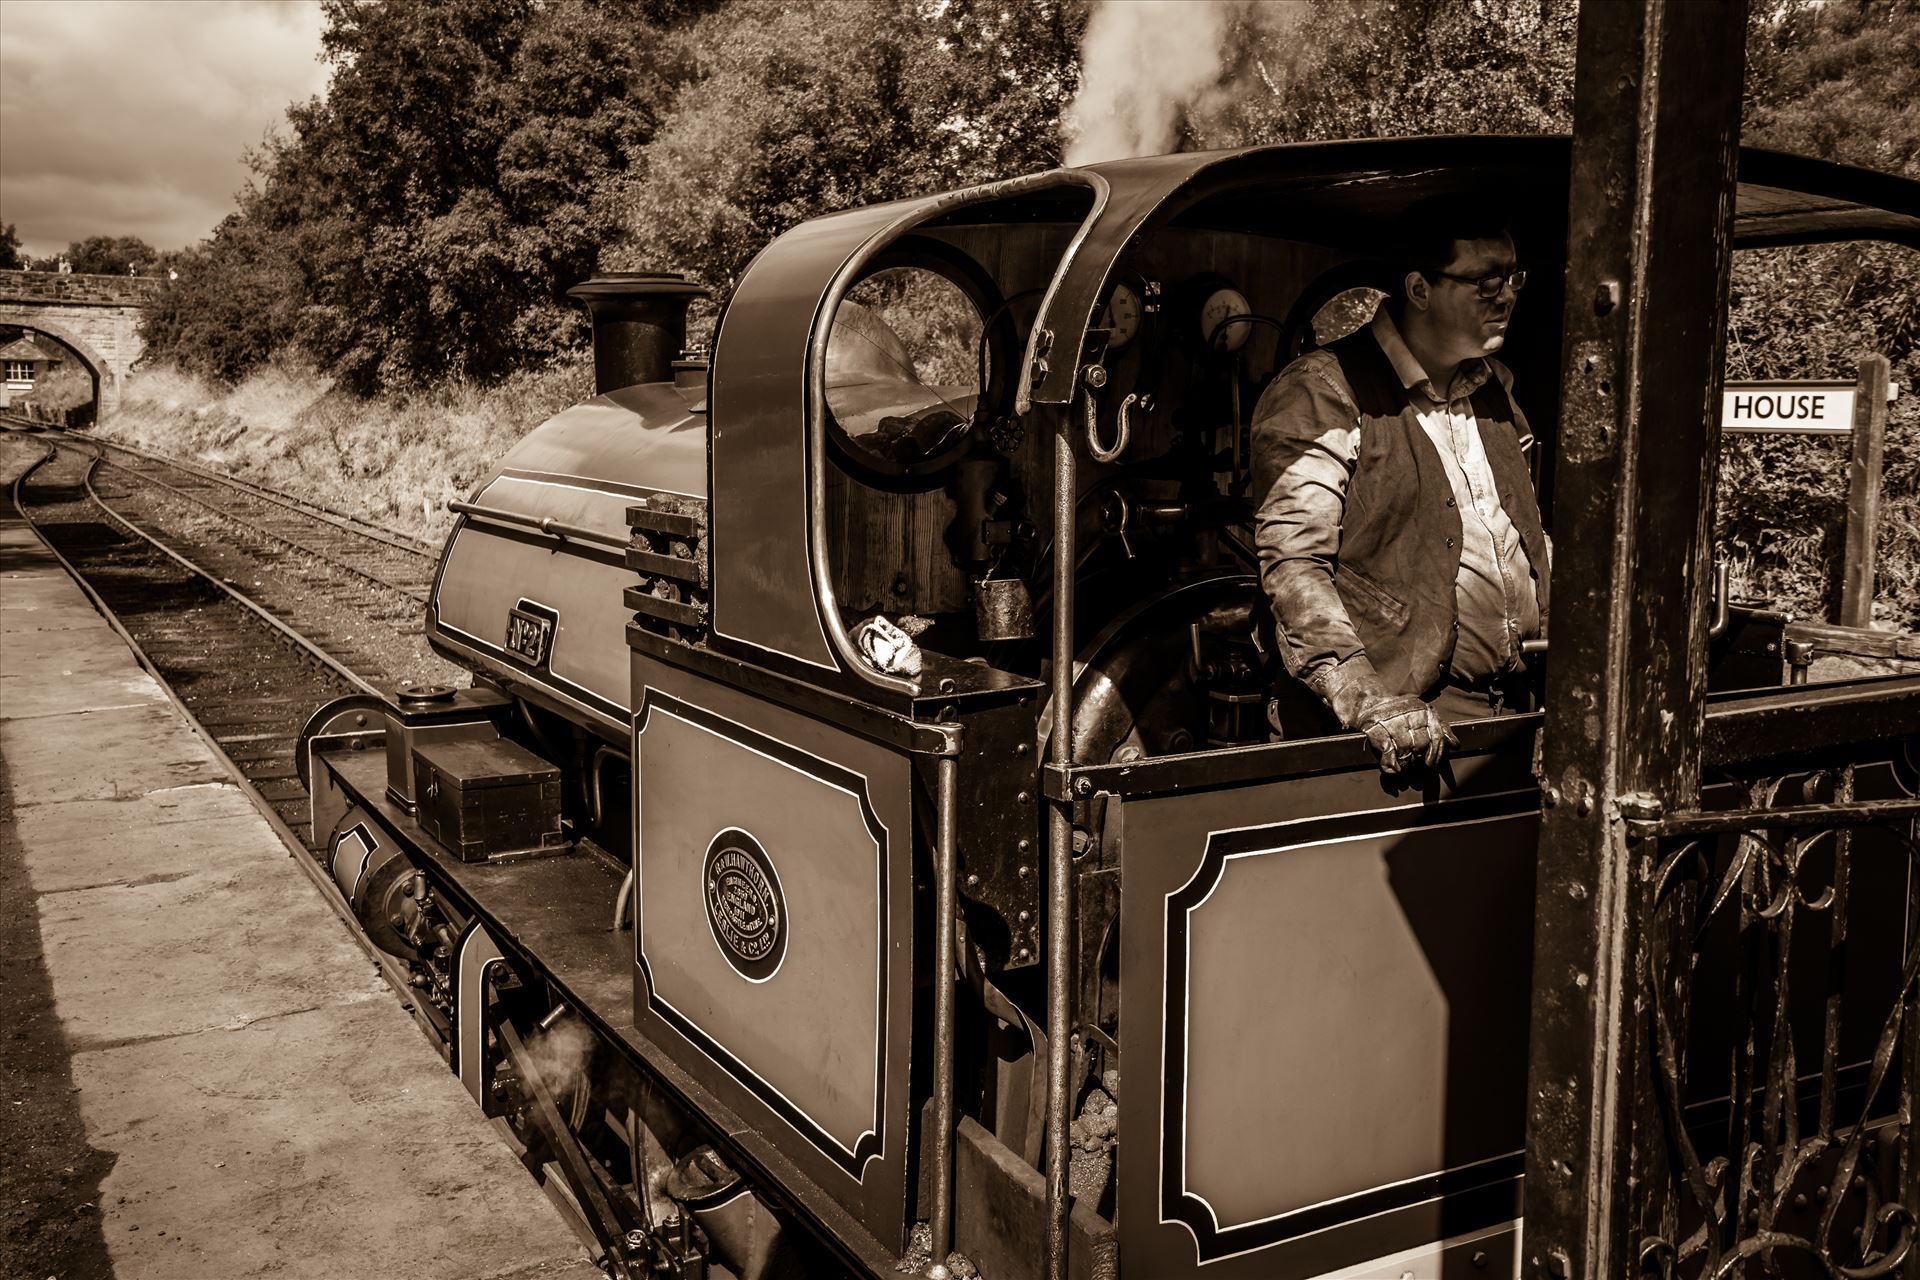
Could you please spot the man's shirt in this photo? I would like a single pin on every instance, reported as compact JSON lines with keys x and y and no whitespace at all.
{"x":1306,"y":441}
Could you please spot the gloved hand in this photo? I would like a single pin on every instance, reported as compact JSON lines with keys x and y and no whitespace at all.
{"x":1400,"y":727}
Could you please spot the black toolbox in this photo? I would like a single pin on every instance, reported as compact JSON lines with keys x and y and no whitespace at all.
{"x":482,"y":798}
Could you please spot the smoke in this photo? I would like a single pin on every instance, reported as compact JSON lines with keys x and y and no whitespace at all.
{"x":1147,"y":66}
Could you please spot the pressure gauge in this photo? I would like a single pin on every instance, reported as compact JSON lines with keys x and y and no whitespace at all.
{"x":1121,"y":319}
{"x":1222,"y":305}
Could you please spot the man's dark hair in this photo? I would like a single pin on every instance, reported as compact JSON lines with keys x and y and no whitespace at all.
{"x":1424,"y":235}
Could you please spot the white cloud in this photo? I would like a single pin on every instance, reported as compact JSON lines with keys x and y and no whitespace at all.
{"x":120,"y":117}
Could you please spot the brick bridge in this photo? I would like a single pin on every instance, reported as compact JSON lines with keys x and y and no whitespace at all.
{"x":95,"y":317}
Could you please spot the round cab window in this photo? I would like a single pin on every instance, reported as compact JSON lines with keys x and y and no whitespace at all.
{"x":904,"y":371}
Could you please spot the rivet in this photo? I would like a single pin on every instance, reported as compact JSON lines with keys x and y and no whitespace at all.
{"x":1023,"y":798}
{"x":360,"y":719}
{"x":972,"y":880}
{"x":1577,"y":891}
{"x":1800,"y":1201}
{"x":1581,"y":981}
{"x":1083,"y":786}
{"x":1025,"y":916}
{"x":1025,"y":953}
{"x":1024,"y":845}
{"x":1020,"y":749}
{"x":946,"y":684}
{"x":1551,"y":795}
{"x":1586,"y":801}
{"x":1025,"y":870}
{"x":1479,"y":1258}
{"x":1606,"y":296}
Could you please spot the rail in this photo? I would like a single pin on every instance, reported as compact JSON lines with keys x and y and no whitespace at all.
{"x":299,"y":641}
{"x":345,"y":520}
{"x":275,"y":535}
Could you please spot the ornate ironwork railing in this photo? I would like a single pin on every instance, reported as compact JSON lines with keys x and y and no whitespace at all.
{"x":1778,"y":1045}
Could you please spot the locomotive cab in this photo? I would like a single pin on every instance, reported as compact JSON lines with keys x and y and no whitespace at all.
{"x":801,"y":629}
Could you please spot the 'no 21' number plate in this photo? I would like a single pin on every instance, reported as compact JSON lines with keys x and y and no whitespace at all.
{"x":529,"y":635}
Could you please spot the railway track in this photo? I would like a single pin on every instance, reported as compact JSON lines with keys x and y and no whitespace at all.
{"x":253,"y":606}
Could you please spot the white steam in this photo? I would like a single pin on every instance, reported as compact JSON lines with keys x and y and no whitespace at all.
{"x":1148,"y":65}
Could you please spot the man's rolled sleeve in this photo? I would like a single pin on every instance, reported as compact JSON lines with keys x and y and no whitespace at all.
{"x":1304,"y":442}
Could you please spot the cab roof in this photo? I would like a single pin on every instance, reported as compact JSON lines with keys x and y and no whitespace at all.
{"x":771,"y":591}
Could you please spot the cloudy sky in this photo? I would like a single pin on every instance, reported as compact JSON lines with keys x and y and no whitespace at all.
{"x":129,"y":117}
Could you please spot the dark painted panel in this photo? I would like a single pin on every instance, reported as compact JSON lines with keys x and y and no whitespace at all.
{"x":1324,"y":1013}
{"x":812,"y":1048}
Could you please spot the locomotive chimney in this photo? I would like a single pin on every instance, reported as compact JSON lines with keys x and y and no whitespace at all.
{"x":639,"y":324}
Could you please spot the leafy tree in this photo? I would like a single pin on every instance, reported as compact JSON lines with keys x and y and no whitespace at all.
{"x":424,"y":218}
{"x":10,"y":259}
{"x":1840,"y":80}
{"x":1346,"y":70}
{"x":227,"y":305}
{"x":111,"y":256}
{"x":800,"y":111}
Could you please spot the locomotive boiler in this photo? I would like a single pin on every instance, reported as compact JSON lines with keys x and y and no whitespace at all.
{"x":876,"y":803}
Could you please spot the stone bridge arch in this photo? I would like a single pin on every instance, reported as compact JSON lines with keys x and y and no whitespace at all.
{"x":95,"y":317}
{"x":104,"y":378}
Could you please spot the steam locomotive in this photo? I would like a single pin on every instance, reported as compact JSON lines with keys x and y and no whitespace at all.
{"x":875,"y":803}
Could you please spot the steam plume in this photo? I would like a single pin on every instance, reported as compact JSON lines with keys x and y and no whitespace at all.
{"x":1147,"y":65}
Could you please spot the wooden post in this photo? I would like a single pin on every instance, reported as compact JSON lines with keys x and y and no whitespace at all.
{"x":1863,"y":493}
{"x":1650,"y":236}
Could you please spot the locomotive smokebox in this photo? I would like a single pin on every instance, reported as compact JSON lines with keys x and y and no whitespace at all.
{"x":639,"y":324}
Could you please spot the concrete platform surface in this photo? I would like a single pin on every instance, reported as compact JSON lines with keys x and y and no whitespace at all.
{"x":266,"y":1106}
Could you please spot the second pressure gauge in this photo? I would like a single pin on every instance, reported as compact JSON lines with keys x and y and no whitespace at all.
{"x":1221,"y":306}
{"x":1121,"y":319}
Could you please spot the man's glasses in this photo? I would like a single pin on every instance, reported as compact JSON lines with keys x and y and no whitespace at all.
{"x":1489,"y":287}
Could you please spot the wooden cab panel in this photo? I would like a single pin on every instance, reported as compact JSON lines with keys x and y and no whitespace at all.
{"x":773,"y":939}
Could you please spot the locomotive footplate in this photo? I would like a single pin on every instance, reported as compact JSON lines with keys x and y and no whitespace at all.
{"x":551,"y":917}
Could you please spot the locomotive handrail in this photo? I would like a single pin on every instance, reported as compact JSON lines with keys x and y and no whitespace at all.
{"x":555,"y":529}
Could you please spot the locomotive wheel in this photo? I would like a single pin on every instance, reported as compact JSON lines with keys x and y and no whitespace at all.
{"x":356,"y":711}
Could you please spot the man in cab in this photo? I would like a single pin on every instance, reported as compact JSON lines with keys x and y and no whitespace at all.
{"x":1400,"y":541}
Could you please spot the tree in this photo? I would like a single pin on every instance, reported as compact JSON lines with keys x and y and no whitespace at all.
{"x":10,"y":259}
{"x":1840,"y":80}
{"x":1342,"y":70}
{"x":227,"y":305}
{"x":800,"y":111}
{"x":456,"y":180}
{"x":111,"y":256}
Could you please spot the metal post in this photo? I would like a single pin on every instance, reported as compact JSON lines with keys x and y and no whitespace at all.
{"x":945,"y":925}
{"x":1863,"y":492}
{"x":1656,"y":131}
{"x":1060,"y":852}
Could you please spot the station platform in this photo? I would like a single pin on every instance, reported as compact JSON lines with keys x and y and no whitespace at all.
{"x":188,"y":1024}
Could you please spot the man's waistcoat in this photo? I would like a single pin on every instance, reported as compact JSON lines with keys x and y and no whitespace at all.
{"x":1400,"y":538}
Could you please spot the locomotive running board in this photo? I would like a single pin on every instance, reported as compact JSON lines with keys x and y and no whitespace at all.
{"x":577,"y":952}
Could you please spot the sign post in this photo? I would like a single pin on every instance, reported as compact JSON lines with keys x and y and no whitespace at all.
{"x":1856,"y":409}
{"x":1863,"y":494}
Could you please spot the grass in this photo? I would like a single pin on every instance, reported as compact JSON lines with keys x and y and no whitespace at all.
{"x":398,"y":459}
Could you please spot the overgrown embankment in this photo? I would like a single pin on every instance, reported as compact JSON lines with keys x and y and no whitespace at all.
{"x":398,"y":458}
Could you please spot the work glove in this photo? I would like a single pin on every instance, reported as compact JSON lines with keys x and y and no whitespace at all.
{"x":1403,"y":729}
{"x":1399,"y":727}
